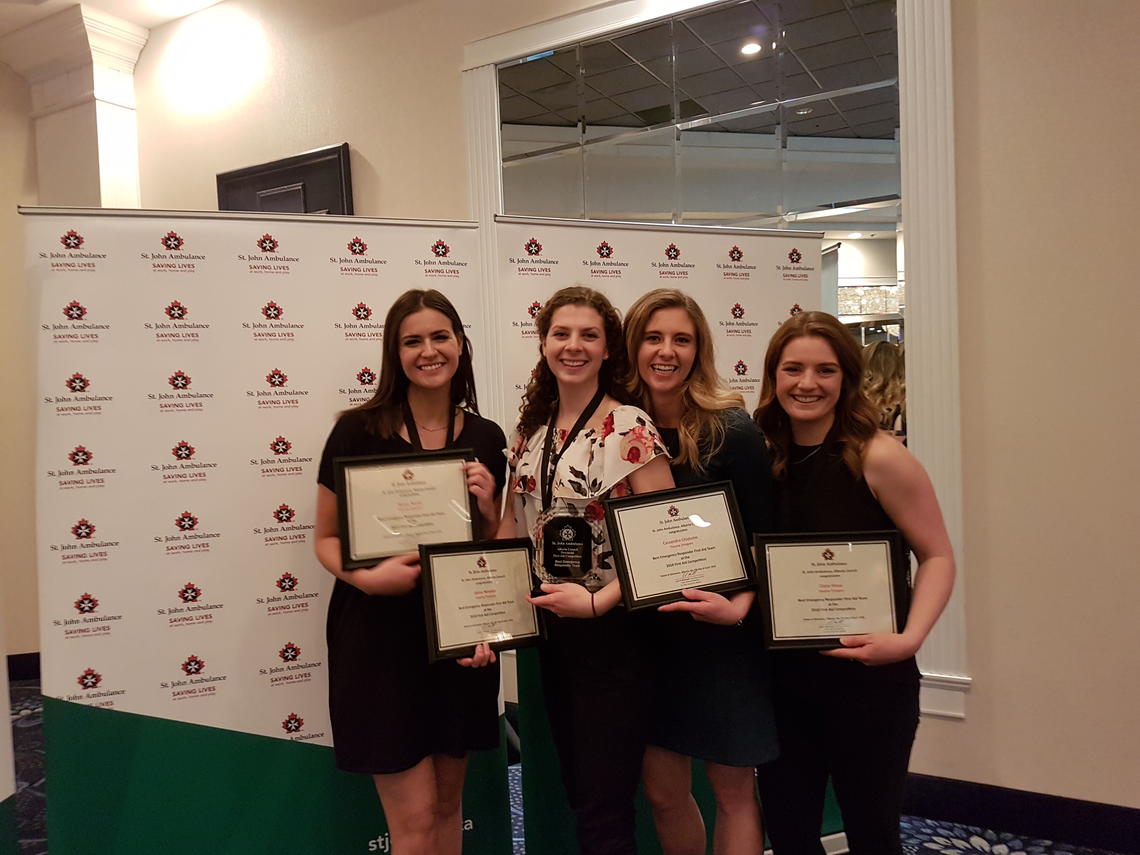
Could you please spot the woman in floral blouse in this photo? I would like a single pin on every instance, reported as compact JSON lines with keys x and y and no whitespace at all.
{"x":575,"y":445}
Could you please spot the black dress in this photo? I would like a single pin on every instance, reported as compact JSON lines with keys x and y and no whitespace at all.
{"x":836,"y":717}
{"x":389,"y":707}
{"x":712,"y":695}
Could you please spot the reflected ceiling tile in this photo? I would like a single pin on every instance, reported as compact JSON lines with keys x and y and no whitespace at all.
{"x":622,"y":80}
{"x":849,"y":74}
{"x":804,"y":10}
{"x":834,"y":53}
{"x":697,"y":61}
{"x":726,"y":102}
{"x":533,"y":75}
{"x":740,"y":22}
{"x":551,"y":119}
{"x":518,"y":107}
{"x":656,"y":42}
{"x":759,"y":70}
{"x":825,"y":28}
{"x":875,"y":16}
{"x":645,"y":99}
{"x":557,"y":97}
{"x":712,"y":81}
{"x":813,"y":125}
{"x":603,"y":56}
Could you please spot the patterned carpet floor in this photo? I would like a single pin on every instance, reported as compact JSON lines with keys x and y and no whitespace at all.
{"x":919,"y":836}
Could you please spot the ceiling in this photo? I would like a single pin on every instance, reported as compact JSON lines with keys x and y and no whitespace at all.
{"x":808,"y":47}
{"x":16,"y":14}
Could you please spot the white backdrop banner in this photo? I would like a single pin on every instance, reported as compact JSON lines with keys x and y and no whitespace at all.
{"x":190,"y":368}
{"x":747,"y":281}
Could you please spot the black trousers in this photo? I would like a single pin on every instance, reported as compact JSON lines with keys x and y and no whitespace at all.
{"x":850,"y":722}
{"x":594,"y":680}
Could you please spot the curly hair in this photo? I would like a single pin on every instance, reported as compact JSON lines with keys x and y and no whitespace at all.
{"x":705,"y":398}
{"x":384,"y":410}
{"x":855,"y":419}
{"x":541,"y":395}
{"x":884,"y":381}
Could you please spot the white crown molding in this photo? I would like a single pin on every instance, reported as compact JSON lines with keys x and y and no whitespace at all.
{"x":567,"y":29}
{"x":115,"y":43}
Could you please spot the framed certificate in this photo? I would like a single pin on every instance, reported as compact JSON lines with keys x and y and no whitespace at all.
{"x":689,"y":537}
{"x":815,"y":588}
{"x":476,"y":592}
{"x":389,"y":504}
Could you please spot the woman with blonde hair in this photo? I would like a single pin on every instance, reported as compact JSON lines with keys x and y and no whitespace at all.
{"x":851,"y":713}
{"x":723,"y":715}
{"x":884,"y":384}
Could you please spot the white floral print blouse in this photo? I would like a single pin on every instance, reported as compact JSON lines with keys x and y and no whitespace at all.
{"x":596,"y":466}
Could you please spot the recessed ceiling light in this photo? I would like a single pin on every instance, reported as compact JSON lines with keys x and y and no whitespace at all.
{"x":750,"y":48}
{"x":805,"y":111}
{"x":855,"y":235}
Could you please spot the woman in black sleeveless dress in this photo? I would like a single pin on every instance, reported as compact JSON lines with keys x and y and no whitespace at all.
{"x":849,"y":713}
{"x":394,"y":716}
{"x":711,"y":642}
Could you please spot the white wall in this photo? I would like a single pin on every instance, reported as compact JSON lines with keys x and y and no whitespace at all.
{"x":17,"y":372}
{"x":1048,"y":307}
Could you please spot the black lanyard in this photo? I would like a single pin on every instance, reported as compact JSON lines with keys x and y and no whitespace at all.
{"x":413,"y":429}
{"x":548,"y":464}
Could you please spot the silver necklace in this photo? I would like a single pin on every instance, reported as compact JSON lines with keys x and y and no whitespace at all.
{"x":807,"y":456}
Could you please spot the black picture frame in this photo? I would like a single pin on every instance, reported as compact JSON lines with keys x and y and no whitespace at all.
{"x":393,"y":461}
{"x":897,"y":588}
{"x":433,"y":577}
{"x":315,"y":182}
{"x":615,"y":509}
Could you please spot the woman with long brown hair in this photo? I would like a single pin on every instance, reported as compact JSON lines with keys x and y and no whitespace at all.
{"x":576,"y":444}
{"x":849,"y":713}
{"x":408,"y":723}
{"x":724,"y":715}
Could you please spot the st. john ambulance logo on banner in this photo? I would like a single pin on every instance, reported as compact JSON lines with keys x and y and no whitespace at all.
{"x":744,"y":380}
{"x":279,"y":459}
{"x":532,"y":261}
{"x":176,"y":323}
{"x":442,"y":261}
{"x":605,"y":264}
{"x":672,"y":266}
{"x":277,"y":391}
{"x":270,"y":257}
{"x":274,"y":322}
{"x":181,"y":395}
{"x":360,"y":260}
{"x":361,"y":322}
{"x":284,"y":528}
{"x":189,"y":607}
{"x":737,"y":322}
{"x":88,"y":619}
{"x":291,"y":668}
{"x":796,"y":270}
{"x":173,"y":255}
{"x":734,"y":266}
{"x":86,"y":540}
{"x":184,"y":465}
{"x":73,"y":254}
{"x":77,"y":324}
{"x":195,"y":680}
{"x":80,"y":394}
{"x":360,"y":388}
{"x":287,"y":595}
{"x":94,"y":686}
{"x":79,"y":470}
{"x":190,"y":534}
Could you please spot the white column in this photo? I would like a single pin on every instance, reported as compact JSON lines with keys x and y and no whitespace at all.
{"x":933,"y":392}
{"x":80,"y":64}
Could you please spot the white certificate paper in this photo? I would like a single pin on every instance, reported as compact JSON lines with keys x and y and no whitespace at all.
{"x":392,"y":509}
{"x":683,"y":543}
{"x":825,"y":590}
{"x":481,"y":596}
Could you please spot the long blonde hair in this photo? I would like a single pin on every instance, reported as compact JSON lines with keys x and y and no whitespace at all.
{"x":884,"y":381}
{"x":705,"y":397}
